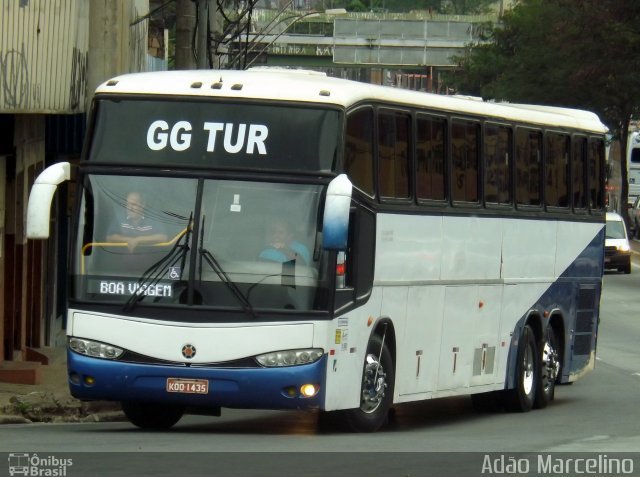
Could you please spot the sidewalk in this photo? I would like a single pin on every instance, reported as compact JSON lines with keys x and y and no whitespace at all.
{"x":50,"y":401}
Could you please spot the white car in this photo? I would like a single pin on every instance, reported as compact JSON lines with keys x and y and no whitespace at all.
{"x":617,"y":252}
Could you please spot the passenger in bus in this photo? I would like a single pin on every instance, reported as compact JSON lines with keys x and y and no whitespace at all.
{"x":134,"y":228}
{"x":281,"y":246}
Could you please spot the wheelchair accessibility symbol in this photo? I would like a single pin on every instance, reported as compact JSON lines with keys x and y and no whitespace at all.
{"x":174,"y":273}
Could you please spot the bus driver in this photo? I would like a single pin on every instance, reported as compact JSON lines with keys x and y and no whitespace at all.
{"x":134,"y":229}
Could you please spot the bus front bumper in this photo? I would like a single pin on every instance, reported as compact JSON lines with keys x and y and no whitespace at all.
{"x":247,"y":388}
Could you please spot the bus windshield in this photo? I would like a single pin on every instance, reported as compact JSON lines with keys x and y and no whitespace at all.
{"x":200,"y":243}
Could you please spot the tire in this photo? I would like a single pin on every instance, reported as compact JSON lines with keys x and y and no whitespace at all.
{"x":549,"y":369}
{"x":152,"y":415}
{"x":522,"y":397}
{"x":376,"y":395}
{"x":627,"y":268}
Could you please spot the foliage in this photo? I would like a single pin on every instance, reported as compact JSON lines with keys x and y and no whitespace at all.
{"x":580,"y":53}
{"x":573,"y":53}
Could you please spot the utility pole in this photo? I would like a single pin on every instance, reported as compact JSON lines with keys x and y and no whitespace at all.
{"x":195,"y":19}
{"x":202,"y":35}
{"x":185,"y":28}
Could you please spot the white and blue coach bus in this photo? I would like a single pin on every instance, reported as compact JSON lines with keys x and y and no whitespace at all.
{"x":436,"y":246}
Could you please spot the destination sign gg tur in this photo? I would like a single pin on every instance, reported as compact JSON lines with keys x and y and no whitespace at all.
{"x":237,"y":138}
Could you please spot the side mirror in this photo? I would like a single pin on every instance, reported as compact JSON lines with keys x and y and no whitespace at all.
{"x":335,"y":226}
{"x":39,"y":207}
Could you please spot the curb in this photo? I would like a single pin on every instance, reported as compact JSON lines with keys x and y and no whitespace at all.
{"x":46,"y":407}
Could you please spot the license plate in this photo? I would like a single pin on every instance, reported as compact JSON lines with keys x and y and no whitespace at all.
{"x":187,"y":386}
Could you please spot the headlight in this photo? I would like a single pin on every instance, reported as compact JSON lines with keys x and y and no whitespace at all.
{"x":95,"y":348}
{"x":290,"y":357}
{"x":623,"y":247}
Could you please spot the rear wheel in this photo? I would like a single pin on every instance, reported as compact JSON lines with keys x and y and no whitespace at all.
{"x":549,"y":370}
{"x":376,"y":395}
{"x":147,"y":415}
{"x":522,"y":397}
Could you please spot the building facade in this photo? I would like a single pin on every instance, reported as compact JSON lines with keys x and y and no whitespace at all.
{"x":52,"y":52}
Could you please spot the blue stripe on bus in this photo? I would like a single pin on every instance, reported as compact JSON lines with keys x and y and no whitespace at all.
{"x":586,"y":269}
{"x":249,"y":388}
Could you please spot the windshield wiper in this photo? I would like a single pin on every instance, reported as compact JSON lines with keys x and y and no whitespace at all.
{"x":224,"y":278}
{"x":154,"y":273}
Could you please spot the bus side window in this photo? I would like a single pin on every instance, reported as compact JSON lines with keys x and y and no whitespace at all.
{"x":359,"y":259}
{"x":556,"y":170}
{"x":358,"y":155}
{"x":528,"y":167}
{"x":596,"y":177}
{"x":579,"y":173}
{"x":465,"y":139}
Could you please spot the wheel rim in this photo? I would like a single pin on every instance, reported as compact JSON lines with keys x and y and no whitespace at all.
{"x":527,"y":370}
{"x":551,"y":364}
{"x":374,"y":383}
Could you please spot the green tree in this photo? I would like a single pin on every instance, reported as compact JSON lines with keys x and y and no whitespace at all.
{"x":574,"y":53}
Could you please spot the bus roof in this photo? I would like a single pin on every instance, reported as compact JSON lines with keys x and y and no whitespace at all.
{"x":315,"y":87}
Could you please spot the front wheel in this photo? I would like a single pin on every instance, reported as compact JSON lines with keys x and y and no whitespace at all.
{"x":147,"y":415}
{"x":522,"y":397}
{"x":376,"y":395}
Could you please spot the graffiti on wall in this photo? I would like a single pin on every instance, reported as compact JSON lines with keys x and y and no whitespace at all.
{"x":18,"y":92}
{"x":78,"y":82}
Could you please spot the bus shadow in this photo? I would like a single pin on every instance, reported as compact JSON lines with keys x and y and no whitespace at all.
{"x":422,"y":415}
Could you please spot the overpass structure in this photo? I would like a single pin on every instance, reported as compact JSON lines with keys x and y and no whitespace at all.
{"x":383,"y":47}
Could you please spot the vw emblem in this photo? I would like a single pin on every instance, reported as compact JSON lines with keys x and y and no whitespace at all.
{"x":188,"y":351}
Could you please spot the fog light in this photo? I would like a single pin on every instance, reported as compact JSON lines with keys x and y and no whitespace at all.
{"x":89,"y":381}
{"x":74,"y":378}
{"x":309,"y":390}
{"x":290,"y":391}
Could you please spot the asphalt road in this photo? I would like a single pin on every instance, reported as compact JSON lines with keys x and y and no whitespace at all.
{"x":597,"y":415}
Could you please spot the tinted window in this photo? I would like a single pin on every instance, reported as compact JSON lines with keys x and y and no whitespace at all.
{"x":465,"y":161}
{"x":556,"y":170}
{"x":497,"y":152}
{"x":596,"y":173}
{"x":528,"y":153}
{"x":393,"y":154}
{"x":358,"y":159}
{"x":579,"y":173}
{"x":430,"y":158}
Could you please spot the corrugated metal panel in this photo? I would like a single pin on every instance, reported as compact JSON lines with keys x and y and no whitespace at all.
{"x":43,"y":55}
